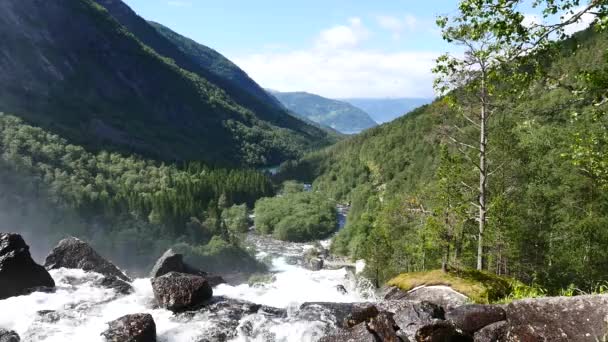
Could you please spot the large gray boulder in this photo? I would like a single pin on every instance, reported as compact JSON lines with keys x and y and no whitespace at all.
{"x":174,"y":262}
{"x":131,"y":328}
{"x":412,"y":315}
{"x":491,"y":333}
{"x":75,"y":253}
{"x":19,"y":273}
{"x":581,"y":318}
{"x":444,"y":296}
{"x":179,"y":291}
{"x":473,"y":317}
{"x":358,"y":333}
{"x":9,"y":336}
{"x":343,"y":315}
{"x":441,"y":331}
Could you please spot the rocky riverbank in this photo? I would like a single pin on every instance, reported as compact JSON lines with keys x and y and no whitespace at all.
{"x":179,"y":303}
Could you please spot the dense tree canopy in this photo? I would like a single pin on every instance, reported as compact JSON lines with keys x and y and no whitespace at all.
{"x":122,"y":202}
{"x":410,"y":191}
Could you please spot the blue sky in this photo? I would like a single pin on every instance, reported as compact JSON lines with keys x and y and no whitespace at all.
{"x":335,"y":48}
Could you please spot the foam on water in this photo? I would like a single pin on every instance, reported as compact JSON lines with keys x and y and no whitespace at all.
{"x":82,"y":309}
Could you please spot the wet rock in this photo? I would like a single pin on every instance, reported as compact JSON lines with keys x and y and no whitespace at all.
{"x":412,"y":315}
{"x":341,"y":289}
{"x":440,"y":331}
{"x":314,"y":264}
{"x":178,"y":291}
{"x":384,"y":327}
{"x":174,"y":262}
{"x":335,"y":313}
{"x":393,"y":293}
{"x":49,"y":316}
{"x":19,"y":273}
{"x":580,"y":318}
{"x":492,"y":332}
{"x":358,"y":333}
{"x":119,"y":285}
{"x":9,"y":336}
{"x":471,"y":318}
{"x":443,"y":296}
{"x":360,"y":314}
{"x":75,"y":253}
{"x":131,"y":328}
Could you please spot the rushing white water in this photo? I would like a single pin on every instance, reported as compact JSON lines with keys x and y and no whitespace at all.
{"x":79,"y":310}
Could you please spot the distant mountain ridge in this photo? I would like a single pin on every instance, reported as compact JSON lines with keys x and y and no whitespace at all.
{"x":102,"y":77}
{"x":388,"y":109}
{"x":338,"y":115}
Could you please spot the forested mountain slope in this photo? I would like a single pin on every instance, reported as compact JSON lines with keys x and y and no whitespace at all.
{"x":68,"y":66}
{"x":411,"y":190}
{"x":219,"y":65}
{"x":338,"y":115}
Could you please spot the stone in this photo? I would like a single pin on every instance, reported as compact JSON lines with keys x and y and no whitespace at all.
{"x":131,"y":328}
{"x":314,"y":264}
{"x":491,"y":333}
{"x":119,"y":285}
{"x":444,"y":296}
{"x":440,"y":331}
{"x":384,"y":327}
{"x":580,"y":318}
{"x":337,"y":314}
{"x":360,"y":314}
{"x":358,"y":333}
{"x":75,"y":253}
{"x":473,"y":317}
{"x":179,"y":291}
{"x":8,"y":336}
{"x":19,"y":273}
{"x":412,"y":315}
{"x":174,"y":262}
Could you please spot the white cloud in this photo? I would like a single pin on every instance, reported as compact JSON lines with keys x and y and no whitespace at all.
{"x":344,"y":73}
{"x":341,"y":36}
{"x":584,"y":21}
{"x":338,"y":67}
{"x":531,"y":20}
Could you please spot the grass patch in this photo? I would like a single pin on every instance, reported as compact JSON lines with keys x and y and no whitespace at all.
{"x":481,"y":287}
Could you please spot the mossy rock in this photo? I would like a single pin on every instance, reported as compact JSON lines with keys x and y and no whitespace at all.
{"x":481,"y":287}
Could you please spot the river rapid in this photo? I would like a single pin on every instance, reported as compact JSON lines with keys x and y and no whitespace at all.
{"x":78,"y":310}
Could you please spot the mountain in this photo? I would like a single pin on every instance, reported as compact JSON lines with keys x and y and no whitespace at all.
{"x":412,"y":190}
{"x":385,"y":110}
{"x":338,"y":115}
{"x":216,"y":63}
{"x":105,"y":79}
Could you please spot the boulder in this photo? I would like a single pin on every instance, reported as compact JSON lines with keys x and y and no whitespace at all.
{"x":131,"y":328}
{"x":119,"y":285}
{"x":580,"y":318}
{"x":440,"y":331}
{"x":174,"y":262}
{"x":314,"y":264}
{"x":360,"y":314}
{"x":19,"y":273}
{"x":338,"y":314}
{"x":444,"y":296}
{"x":75,"y":253}
{"x":473,"y":317}
{"x":491,"y":333}
{"x":8,"y":336}
{"x":384,"y":327}
{"x":179,"y":291}
{"x":393,"y":293}
{"x":358,"y":333}
{"x":341,"y":289}
{"x":412,"y":315}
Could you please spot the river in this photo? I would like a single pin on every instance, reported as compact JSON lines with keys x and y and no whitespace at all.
{"x":79,"y":310}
